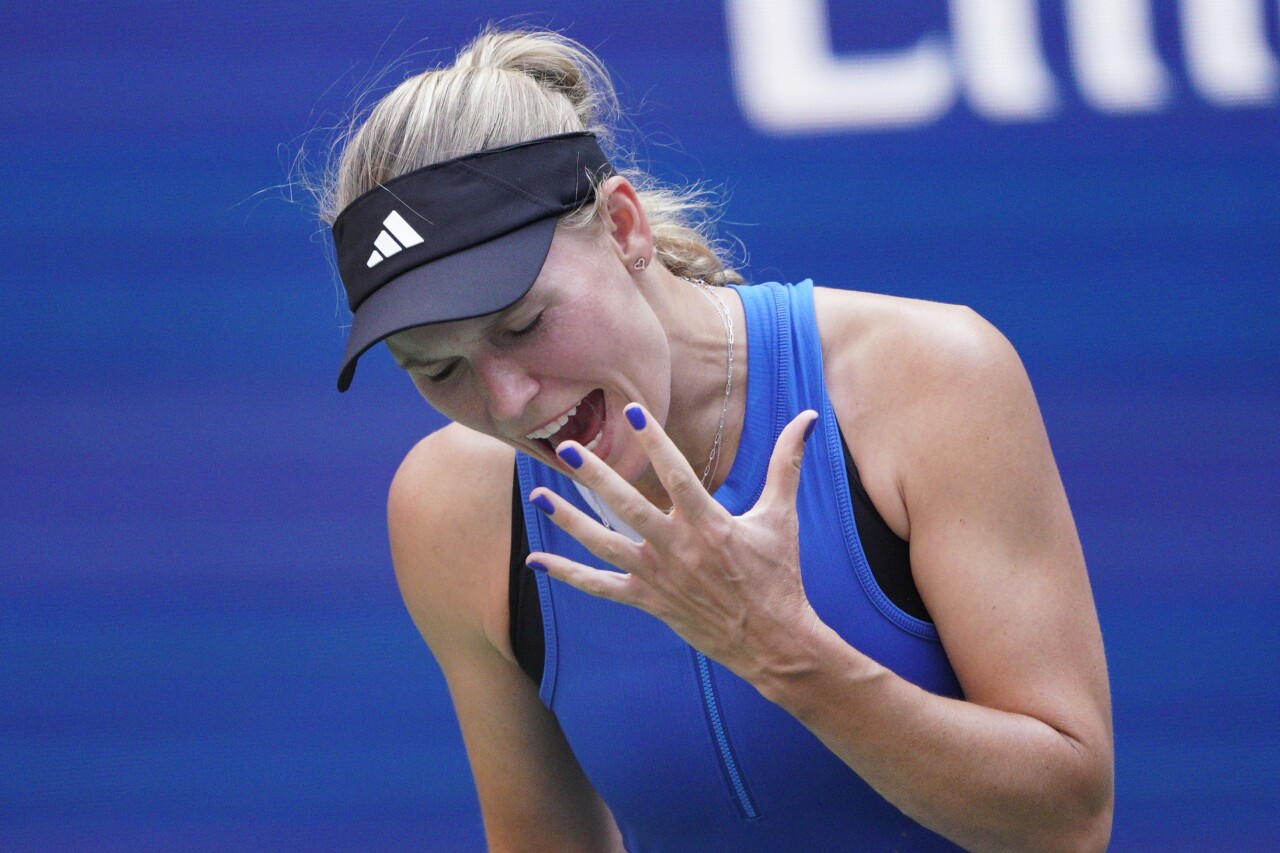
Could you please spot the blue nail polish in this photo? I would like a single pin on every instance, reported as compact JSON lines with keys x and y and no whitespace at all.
{"x":635,"y":415}
{"x":543,"y":503}
{"x":536,"y":566}
{"x":571,"y":456}
{"x":808,"y":431}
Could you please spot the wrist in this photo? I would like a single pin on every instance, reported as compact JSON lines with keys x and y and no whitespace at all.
{"x":808,"y":664}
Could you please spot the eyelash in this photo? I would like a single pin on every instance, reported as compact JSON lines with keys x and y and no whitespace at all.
{"x":438,"y":377}
{"x":515,"y":333}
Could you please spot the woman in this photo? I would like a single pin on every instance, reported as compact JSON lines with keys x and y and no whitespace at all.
{"x":802,"y":574}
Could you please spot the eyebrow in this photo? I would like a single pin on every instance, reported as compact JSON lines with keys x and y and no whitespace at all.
{"x":413,"y":363}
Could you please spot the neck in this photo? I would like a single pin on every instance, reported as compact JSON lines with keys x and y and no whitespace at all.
{"x":700,"y":362}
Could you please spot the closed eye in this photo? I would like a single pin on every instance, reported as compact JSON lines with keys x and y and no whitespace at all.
{"x":517,"y":333}
{"x":439,"y":375}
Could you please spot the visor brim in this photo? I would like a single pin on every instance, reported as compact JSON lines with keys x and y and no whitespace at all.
{"x":471,"y":283}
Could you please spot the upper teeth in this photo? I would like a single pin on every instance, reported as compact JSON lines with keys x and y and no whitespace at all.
{"x":553,"y":427}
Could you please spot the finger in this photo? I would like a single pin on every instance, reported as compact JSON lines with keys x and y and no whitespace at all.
{"x":609,"y":545}
{"x":631,"y":506}
{"x":783,"y":480}
{"x":613,"y":586}
{"x":684,"y":487}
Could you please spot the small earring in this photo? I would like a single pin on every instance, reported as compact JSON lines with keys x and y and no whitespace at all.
{"x":640,"y":265}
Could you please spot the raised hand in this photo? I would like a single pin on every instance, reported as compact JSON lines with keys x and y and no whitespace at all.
{"x":729,"y":585}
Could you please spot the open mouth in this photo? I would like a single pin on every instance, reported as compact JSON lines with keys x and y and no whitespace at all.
{"x":584,"y":423}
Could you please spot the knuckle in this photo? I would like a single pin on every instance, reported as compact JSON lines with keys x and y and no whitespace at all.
{"x":719,"y":531}
{"x":633,"y":506}
{"x":682,"y":483}
{"x":652,"y":601}
{"x":610,"y":552}
{"x":595,"y":585}
{"x":649,"y":566}
{"x":643,"y":598}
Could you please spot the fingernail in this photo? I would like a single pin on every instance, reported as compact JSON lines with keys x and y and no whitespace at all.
{"x":808,"y":431}
{"x":571,"y":456}
{"x":543,"y":503}
{"x":536,"y":566}
{"x":635,"y":415}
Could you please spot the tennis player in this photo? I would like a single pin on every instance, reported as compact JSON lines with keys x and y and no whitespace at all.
{"x":707,"y":565}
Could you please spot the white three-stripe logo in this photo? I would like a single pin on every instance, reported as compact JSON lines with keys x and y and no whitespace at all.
{"x":396,"y":230}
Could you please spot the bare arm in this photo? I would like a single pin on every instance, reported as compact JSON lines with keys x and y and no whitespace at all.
{"x":1026,"y":762}
{"x":450,"y":494}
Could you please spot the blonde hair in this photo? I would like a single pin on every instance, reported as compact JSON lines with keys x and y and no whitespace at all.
{"x":507,"y":87}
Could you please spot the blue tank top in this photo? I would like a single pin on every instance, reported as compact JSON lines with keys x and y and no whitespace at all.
{"x":688,"y":756}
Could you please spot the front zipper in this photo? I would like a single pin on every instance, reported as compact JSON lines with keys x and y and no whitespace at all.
{"x":711,"y":702}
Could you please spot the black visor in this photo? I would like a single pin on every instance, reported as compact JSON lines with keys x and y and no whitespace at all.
{"x":457,"y":239}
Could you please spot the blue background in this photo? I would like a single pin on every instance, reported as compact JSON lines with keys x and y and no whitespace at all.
{"x":201,"y":642}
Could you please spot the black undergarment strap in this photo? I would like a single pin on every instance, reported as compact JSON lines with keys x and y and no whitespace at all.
{"x":526,"y":609}
{"x":887,"y":554}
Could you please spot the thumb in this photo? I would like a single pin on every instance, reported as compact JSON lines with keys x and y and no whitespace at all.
{"x":783,"y":480}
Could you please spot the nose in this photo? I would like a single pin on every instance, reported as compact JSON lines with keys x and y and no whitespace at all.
{"x":507,"y":385}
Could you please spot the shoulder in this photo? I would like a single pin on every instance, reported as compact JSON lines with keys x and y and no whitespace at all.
{"x":890,"y":336}
{"x":450,"y":494}
{"x":911,"y":380}
{"x":450,"y":451}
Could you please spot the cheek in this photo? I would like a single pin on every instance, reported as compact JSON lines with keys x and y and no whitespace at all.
{"x":422,"y":388}
{"x":455,"y":404}
{"x":619,"y":341}
{"x":576,"y":343}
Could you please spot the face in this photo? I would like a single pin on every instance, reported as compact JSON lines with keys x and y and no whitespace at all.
{"x":560,"y":364}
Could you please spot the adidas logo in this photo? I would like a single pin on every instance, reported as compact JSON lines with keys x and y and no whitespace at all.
{"x":397,"y":235}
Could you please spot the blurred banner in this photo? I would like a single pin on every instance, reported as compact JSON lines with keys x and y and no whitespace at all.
{"x":201,"y":642}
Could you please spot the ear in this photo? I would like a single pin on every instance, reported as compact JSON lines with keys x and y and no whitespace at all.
{"x":628,"y":225}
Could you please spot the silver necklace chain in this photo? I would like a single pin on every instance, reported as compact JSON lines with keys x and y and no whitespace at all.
{"x":713,"y":460}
